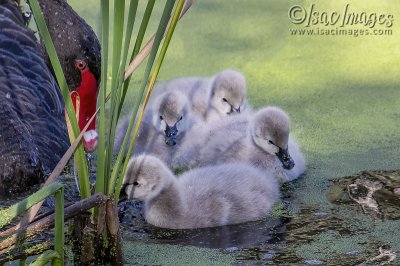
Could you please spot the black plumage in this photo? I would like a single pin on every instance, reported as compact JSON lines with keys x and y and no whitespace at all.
{"x":73,"y":39}
{"x":33,"y":133}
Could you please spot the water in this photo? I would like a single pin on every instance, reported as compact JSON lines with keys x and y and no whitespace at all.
{"x":358,"y":227}
{"x":230,"y":238}
{"x":347,"y":232}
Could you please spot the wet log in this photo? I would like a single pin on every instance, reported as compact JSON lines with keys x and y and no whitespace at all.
{"x":24,"y":251}
{"x":47,"y":222}
{"x":115,"y":246}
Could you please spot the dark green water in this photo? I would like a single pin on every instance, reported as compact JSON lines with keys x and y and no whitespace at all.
{"x":345,"y":233}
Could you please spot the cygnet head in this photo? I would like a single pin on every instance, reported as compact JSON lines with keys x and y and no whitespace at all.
{"x":269,"y":129}
{"x":171,"y":116}
{"x":228,"y":92}
{"x":143,"y":178}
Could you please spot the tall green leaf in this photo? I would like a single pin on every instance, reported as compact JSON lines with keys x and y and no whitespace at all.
{"x":116,"y":93}
{"x":163,"y":51}
{"x":159,"y":35}
{"x":159,"y":62}
{"x":138,"y":43}
{"x":118,"y":29}
{"x":101,"y":155}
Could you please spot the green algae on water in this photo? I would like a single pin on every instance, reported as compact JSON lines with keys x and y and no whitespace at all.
{"x":137,"y":253}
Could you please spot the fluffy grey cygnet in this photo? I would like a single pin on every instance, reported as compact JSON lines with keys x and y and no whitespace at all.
{"x":260,"y":139}
{"x":163,"y":127}
{"x":211,"y":98}
{"x":205,"y":197}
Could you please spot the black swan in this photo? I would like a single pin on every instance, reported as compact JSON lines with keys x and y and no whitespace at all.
{"x":80,"y":55}
{"x":33,"y":133}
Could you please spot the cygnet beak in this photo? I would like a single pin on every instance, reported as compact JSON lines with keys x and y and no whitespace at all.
{"x":122,"y":195}
{"x":234,"y":110}
{"x":284,"y":157}
{"x":170,"y":135}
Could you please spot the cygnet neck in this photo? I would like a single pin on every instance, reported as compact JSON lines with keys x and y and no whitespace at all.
{"x":168,"y":203}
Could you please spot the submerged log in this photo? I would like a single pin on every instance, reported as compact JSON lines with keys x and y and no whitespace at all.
{"x":25,"y":251}
{"x":47,"y":222}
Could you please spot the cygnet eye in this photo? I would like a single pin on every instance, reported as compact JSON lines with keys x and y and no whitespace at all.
{"x":181,"y":118}
{"x":135,"y":183}
{"x":225,"y":100}
{"x":161,"y":117}
{"x":270,"y":141}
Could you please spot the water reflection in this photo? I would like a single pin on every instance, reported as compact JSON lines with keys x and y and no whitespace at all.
{"x":230,"y":237}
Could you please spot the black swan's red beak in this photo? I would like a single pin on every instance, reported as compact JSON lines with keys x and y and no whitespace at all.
{"x":84,"y":100}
